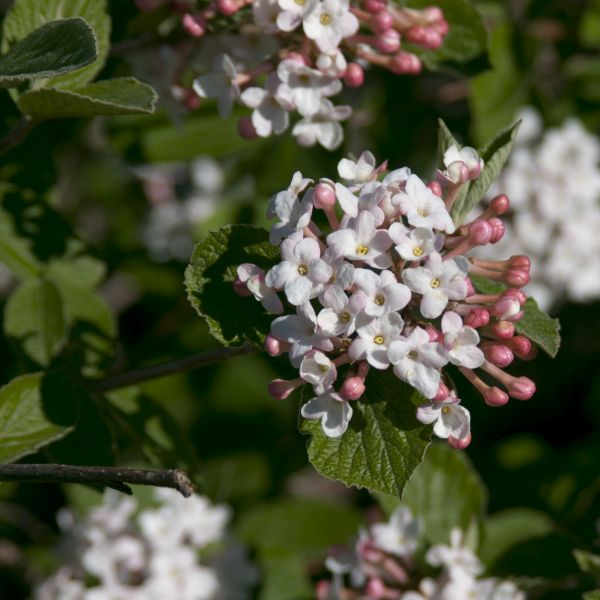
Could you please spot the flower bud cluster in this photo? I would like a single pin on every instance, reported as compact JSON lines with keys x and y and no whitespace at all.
{"x":178,"y":549}
{"x":384,"y":564}
{"x":389,"y":287}
{"x":309,"y":50}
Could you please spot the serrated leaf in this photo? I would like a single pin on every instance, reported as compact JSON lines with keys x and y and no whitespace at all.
{"x":24,"y":426}
{"x":209,"y":281}
{"x":588,"y":562}
{"x":55,"y":48}
{"x":122,"y":96}
{"x":494,"y":154}
{"x":384,"y":442}
{"x":25,"y":16}
{"x":445,"y":492}
{"x":34,"y":319}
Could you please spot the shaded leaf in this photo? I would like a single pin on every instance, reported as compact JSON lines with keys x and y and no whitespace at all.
{"x":55,"y":48}
{"x":122,"y":96}
{"x":595,"y":595}
{"x":209,"y":281}
{"x":384,"y":442}
{"x":588,"y":562}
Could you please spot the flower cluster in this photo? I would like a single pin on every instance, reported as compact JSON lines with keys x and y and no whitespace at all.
{"x":307,"y":51}
{"x":178,"y":549}
{"x":561,"y":236}
{"x":390,"y":287}
{"x":384,"y":565}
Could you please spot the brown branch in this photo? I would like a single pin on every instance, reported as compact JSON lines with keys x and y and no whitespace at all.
{"x":113,"y":477}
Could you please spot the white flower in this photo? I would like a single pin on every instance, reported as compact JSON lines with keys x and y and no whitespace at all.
{"x":417,"y":361}
{"x":300,"y":330}
{"x":265,"y":13}
{"x":335,"y":413}
{"x":357,"y":172}
{"x":451,"y":419}
{"x":220,"y":84}
{"x":293,"y":12}
{"x":492,"y":589}
{"x":414,"y":244}
{"x":307,"y":86}
{"x":375,"y":337}
{"x":438,"y":281}
{"x":384,"y":293}
{"x":329,"y":23}
{"x":254,"y":278}
{"x":271,"y":106}
{"x":318,"y":370}
{"x":422,"y":207}
{"x":458,"y":561}
{"x":369,"y":199}
{"x":339,"y":318}
{"x":293,"y":214}
{"x":332,"y":63}
{"x":465,"y":156}
{"x":461,"y":342}
{"x":342,"y":278}
{"x":323,"y":127}
{"x":302,"y":271}
{"x":399,"y":535}
{"x":362,"y":242}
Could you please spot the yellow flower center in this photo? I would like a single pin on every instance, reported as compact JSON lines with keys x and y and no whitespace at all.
{"x":379,"y":339}
{"x":379,"y":300}
{"x":361,"y":250}
{"x":413,"y":354}
{"x":332,"y":279}
{"x":417,"y":251}
{"x":435,"y":283}
{"x":299,"y":2}
{"x":345,"y":317}
{"x":303,"y":270}
{"x":446,"y":410}
{"x":323,"y":368}
{"x":325,"y":19}
{"x":421,"y":212}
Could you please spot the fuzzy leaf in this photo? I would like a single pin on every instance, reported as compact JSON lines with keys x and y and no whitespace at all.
{"x":384,"y":442}
{"x":24,"y":425}
{"x":55,"y":48}
{"x":26,"y":16}
{"x":122,"y":96}
{"x":34,"y":318}
{"x":494,"y":155}
{"x":209,"y":281}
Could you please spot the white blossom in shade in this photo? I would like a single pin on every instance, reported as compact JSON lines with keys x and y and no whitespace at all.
{"x":302,"y":271}
{"x":422,"y":207}
{"x":334,"y":413}
{"x":414,"y":244}
{"x":428,"y":590}
{"x":451,"y":419}
{"x":339,"y":318}
{"x":329,"y":23}
{"x":293,"y":213}
{"x":280,"y":203}
{"x":332,"y":63}
{"x":307,"y":86}
{"x":221,"y":85}
{"x":383,"y":292}
{"x":318,"y":370}
{"x":461,"y":342}
{"x":465,"y":155}
{"x":341,"y":279}
{"x":375,"y":337}
{"x":393,"y":183}
{"x":270,"y":106}
{"x":360,"y":171}
{"x":362,"y":242}
{"x":399,"y":535}
{"x":417,"y":361}
{"x":438,"y":281}
{"x":114,"y":556}
{"x":370,"y":196}
{"x":457,"y":560}
{"x":61,"y":586}
{"x":301,"y":331}
{"x":254,"y":278}
{"x":265,"y":13}
{"x":323,"y":127}
{"x":293,"y":12}
{"x":493,"y":589}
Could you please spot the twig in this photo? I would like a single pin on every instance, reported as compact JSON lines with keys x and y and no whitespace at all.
{"x":17,"y":134}
{"x":113,"y":477}
{"x":176,"y":366}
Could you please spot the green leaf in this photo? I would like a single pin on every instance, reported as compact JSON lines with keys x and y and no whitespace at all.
{"x":595,"y":595}
{"x":209,"y":281}
{"x":588,"y":562}
{"x":494,"y":154}
{"x":122,"y":96}
{"x":55,"y":48}
{"x":24,"y":426}
{"x":84,"y":270}
{"x":445,"y":140}
{"x":284,"y":578}
{"x":34,"y":318}
{"x":16,"y":255}
{"x":384,"y":442}
{"x":26,"y":16}
{"x":445,"y":492}
{"x":535,"y":324}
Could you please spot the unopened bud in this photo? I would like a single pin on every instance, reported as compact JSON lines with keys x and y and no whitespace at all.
{"x":352,"y":388}
{"x":194,"y":25}
{"x":498,"y":354}
{"x":273,"y":345}
{"x":405,"y":63}
{"x":521,"y":262}
{"x":503,"y":329}
{"x":480,"y":232}
{"x":518,"y":294}
{"x":442,"y":393}
{"x":521,"y":388}
{"x":388,"y":42}
{"x":435,"y":187}
{"x":459,"y":444}
{"x":433,"y":40}
{"x":516,"y":278}
{"x":415,"y":35}
{"x":246,"y":128}
{"x":381,"y":22}
{"x":324,"y":196}
{"x":506,"y":307}
{"x":227,"y":7}
{"x":240,"y":288}
{"x":494,"y":396}
{"x":374,"y":6}
{"x":354,"y":76}
{"x":498,"y":230}
{"x":280,"y":389}
{"x":478,"y":317}
{"x":500,"y":204}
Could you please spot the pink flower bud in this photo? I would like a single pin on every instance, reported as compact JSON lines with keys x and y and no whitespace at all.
{"x":503,"y":329}
{"x":500,"y":204}
{"x":506,"y":307}
{"x":297,"y":57}
{"x":352,"y":388}
{"x":521,"y":263}
{"x":273,"y":346}
{"x":377,"y":590}
{"x":433,"y":40}
{"x":435,"y":187}
{"x":240,"y":288}
{"x":324,"y":196}
{"x":478,"y":317}
{"x":227,"y":7}
{"x":498,"y":354}
{"x":191,"y":100}
{"x":459,"y":444}
{"x":442,"y":27}
{"x":521,"y":346}
{"x":388,"y":42}
{"x":516,"y":278}
{"x":374,"y":6}
{"x":521,"y":388}
{"x":282,"y":388}
{"x":442,"y":393}
{"x":367,"y":550}
{"x":404,"y":63}
{"x":354,"y":76}
{"x":480,"y":232}
{"x":518,"y":294}
{"x":494,"y":396}
{"x":458,"y":172}
{"x":381,"y":21}
{"x":416,"y":34}
{"x":322,"y":590}
{"x":434,"y":334}
{"x":246,"y":129}
{"x":194,"y":25}
{"x":433,"y":14}
{"x":499,"y":230}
